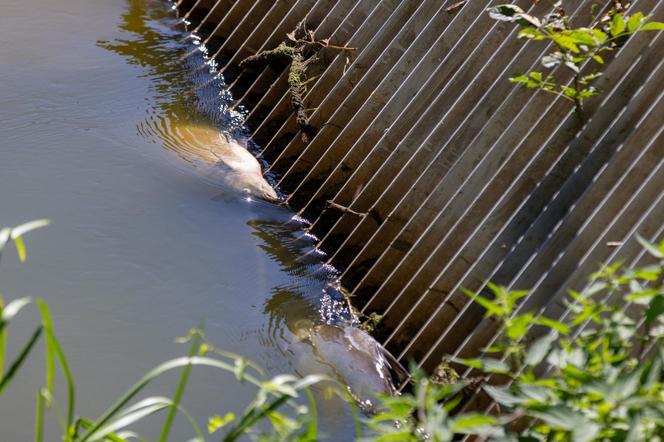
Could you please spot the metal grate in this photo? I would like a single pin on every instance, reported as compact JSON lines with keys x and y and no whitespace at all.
{"x":442,"y":174}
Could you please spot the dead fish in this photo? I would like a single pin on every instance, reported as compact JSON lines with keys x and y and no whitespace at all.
{"x":221,"y":159}
{"x":355,"y":358}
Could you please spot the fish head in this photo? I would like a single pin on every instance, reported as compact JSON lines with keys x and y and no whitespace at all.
{"x":259,"y":188}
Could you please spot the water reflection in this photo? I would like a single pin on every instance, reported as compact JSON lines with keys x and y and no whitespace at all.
{"x":183,"y":94}
{"x":187,"y":91}
{"x":313,"y":293}
{"x":136,"y":253}
{"x":187,"y":94}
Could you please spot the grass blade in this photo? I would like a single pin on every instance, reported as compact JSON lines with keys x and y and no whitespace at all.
{"x":39,"y":418}
{"x":87,"y":424}
{"x":145,"y":380}
{"x":354,"y":409}
{"x":54,"y":346}
{"x":4,"y":238}
{"x":49,"y":359}
{"x":12,"y":310}
{"x":139,"y":411}
{"x":127,"y":419}
{"x":20,"y":248}
{"x":312,"y":425}
{"x":16,"y":234}
{"x":3,"y":341}
{"x":20,"y":359}
{"x":250,"y":419}
{"x":179,"y":391}
{"x":21,"y":230}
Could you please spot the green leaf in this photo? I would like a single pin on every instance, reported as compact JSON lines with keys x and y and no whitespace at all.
{"x":515,"y":295}
{"x":518,"y":327}
{"x":534,"y":394}
{"x":12,"y":309}
{"x":3,"y":340}
{"x":488,"y":365}
{"x":54,"y":346}
{"x":20,"y":248}
{"x":653,"y":26}
{"x":312,"y":425}
{"x":582,"y":36}
{"x":28,"y":227}
{"x":503,"y":395}
{"x":558,"y":326}
{"x":600,"y":37}
{"x":558,"y":416}
{"x":655,"y":309}
{"x":217,"y":422}
{"x":598,"y":59}
{"x":20,"y":359}
{"x":16,"y":234}
{"x":635,"y":21}
{"x":585,"y":432}
{"x":310,"y":380}
{"x":491,"y":307}
{"x":643,"y":297}
{"x":590,"y":77}
{"x":5,"y":234}
{"x":568,"y":91}
{"x":147,"y":378}
{"x":618,"y":25}
{"x":283,"y":425}
{"x":495,"y":348}
{"x":519,"y":79}
{"x":651,"y":248}
{"x":566,"y":43}
{"x":39,"y":417}
{"x":538,"y":350}
{"x":471,"y":423}
{"x":86,"y":424}
{"x":179,"y":389}
{"x":240,"y":368}
{"x":135,"y":413}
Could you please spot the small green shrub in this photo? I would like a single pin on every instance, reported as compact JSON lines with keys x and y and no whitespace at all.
{"x":579,"y":50}
{"x":596,"y":375}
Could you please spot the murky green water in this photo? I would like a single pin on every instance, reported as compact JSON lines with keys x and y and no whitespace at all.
{"x":140,"y":248}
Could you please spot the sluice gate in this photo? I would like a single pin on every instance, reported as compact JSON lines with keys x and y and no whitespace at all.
{"x":424,"y":171}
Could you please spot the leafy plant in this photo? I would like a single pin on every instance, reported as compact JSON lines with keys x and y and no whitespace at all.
{"x":579,"y":50}
{"x":605,"y":373}
{"x":595,"y":375}
{"x":276,"y":402}
{"x":427,"y":414}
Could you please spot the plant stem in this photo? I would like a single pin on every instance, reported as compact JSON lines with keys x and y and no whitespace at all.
{"x":179,"y":391}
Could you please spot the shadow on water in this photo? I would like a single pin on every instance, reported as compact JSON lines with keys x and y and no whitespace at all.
{"x":185,"y":93}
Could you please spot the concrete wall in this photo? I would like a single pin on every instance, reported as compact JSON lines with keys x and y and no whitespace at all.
{"x":453,"y":175}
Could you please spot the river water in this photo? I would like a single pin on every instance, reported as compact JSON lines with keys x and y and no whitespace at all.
{"x":140,"y":248}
